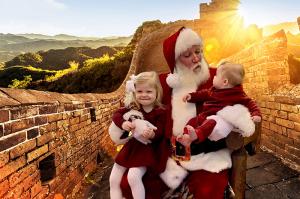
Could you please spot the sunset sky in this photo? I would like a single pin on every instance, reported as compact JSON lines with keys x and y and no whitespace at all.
{"x":121,"y":18}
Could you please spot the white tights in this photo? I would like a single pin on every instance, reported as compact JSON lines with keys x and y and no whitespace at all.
{"x":134,"y":178}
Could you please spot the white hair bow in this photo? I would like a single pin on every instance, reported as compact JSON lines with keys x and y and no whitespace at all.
{"x":130,"y":84}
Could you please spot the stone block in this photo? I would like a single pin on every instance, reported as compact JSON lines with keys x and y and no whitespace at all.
{"x":40,"y":120}
{"x":35,"y":189}
{"x":12,"y":141}
{"x":23,"y":113}
{"x":12,"y":167}
{"x":4,"y":158}
{"x":31,"y":180}
{"x":22,"y":149}
{"x":45,"y":138}
{"x":22,"y":124}
{"x":294,"y":117}
{"x":37,"y":153}
{"x":55,"y":117}
{"x":4,"y":116}
{"x":32,"y":133}
{"x":4,"y":187}
{"x":22,"y":174}
{"x":286,"y":123}
{"x":48,"y":109}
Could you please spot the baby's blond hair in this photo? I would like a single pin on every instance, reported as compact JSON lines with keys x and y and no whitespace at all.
{"x":233,"y":72}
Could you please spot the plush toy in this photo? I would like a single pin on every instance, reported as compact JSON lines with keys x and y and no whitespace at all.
{"x":136,"y":117}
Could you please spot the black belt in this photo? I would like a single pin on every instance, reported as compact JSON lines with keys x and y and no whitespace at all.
{"x":202,"y":147}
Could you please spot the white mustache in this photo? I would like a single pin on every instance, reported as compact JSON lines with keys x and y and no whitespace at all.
{"x":196,"y":66}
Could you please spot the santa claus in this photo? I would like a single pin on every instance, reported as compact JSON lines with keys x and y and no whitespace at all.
{"x":206,"y":173}
{"x":209,"y":163}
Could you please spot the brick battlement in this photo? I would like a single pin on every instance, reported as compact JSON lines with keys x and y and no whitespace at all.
{"x":71,"y":129}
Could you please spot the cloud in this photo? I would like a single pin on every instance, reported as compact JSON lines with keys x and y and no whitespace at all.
{"x":56,"y":4}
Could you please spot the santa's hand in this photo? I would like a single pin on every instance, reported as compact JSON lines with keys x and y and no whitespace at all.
{"x":128,"y":126}
{"x":187,"y":97}
{"x":256,"y":118}
{"x":189,"y":130}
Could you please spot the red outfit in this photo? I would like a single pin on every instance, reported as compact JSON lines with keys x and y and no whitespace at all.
{"x":202,"y":184}
{"x":213,"y":101}
{"x":135,"y":153}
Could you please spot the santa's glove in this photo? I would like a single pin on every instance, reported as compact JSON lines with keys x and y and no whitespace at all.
{"x":173,"y":80}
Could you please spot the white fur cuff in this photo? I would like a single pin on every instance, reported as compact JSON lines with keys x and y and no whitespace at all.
{"x":214,"y":161}
{"x":173,"y":174}
{"x":115,"y":133}
{"x":221,"y":130}
{"x":239,"y":116}
{"x":173,"y":80}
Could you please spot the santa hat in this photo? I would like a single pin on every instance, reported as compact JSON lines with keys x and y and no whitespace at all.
{"x":179,"y":42}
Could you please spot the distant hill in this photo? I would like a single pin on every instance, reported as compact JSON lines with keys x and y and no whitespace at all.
{"x":59,"y":59}
{"x":12,"y":45}
{"x":58,"y":37}
{"x":12,"y":39}
{"x":287,"y":26}
{"x":37,"y":45}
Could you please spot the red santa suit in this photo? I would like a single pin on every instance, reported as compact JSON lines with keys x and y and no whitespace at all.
{"x":210,"y":161}
{"x":214,"y":101}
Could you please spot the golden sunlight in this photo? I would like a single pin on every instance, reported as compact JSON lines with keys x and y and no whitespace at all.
{"x":242,"y":12}
{"x":250,"y":17}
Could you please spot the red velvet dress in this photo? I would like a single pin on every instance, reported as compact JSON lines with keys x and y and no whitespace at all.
{"x":135,"y":153}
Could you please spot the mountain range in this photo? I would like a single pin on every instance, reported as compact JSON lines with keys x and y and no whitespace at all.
{"x":12,"y":45}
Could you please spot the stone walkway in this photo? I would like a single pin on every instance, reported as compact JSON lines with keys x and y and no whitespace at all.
{"x":267,"y":178}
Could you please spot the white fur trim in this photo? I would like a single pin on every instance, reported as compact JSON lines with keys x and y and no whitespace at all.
{"x":222,"y":128}
{"x":213,"y":161}
{"x":182,"y":111}
{"x":186,"y":39}
{"x":239,"y":116}
{"x":173,"y":174}
{"x":173,"y":80}
{"x":127,"y":115}
{"x":115,"y":133}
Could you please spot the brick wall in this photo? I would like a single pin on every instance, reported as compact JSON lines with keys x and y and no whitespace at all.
{"x":35,"y":125}
{"x":268,"y":82}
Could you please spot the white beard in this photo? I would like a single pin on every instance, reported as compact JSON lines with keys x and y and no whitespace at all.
{"x":182,"y":112}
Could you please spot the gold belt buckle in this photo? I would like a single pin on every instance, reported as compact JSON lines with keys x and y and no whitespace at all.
{"x":177,"y":157}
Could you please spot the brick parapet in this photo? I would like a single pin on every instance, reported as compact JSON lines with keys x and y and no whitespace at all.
{"x":37,"y":124}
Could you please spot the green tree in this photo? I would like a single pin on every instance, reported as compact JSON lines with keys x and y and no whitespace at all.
{"x":21,"y":83}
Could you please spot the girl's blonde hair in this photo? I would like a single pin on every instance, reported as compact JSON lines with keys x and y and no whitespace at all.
{"x":150,"y":78}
